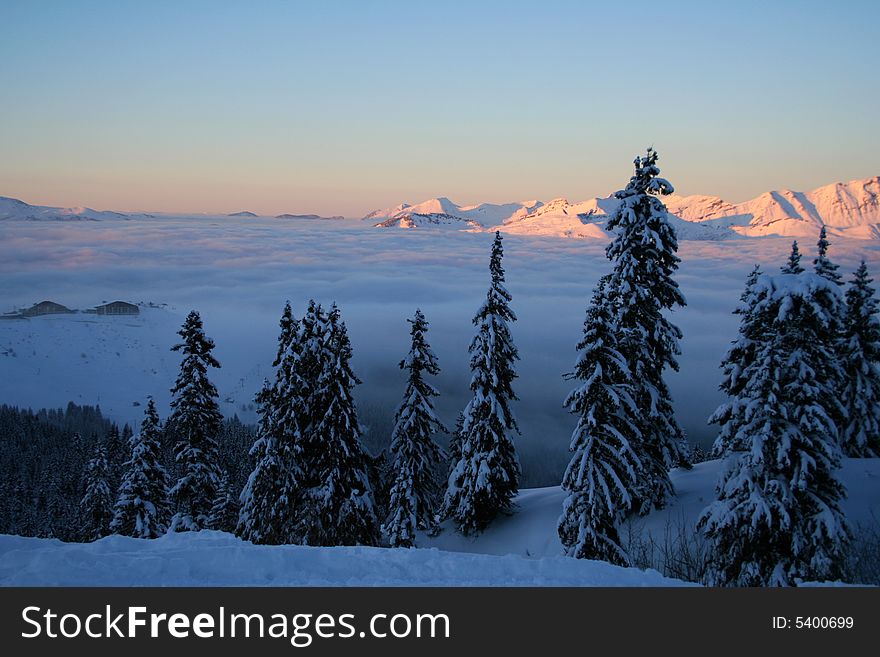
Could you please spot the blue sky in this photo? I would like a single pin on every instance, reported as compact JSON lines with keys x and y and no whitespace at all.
{"x":341,"y":107}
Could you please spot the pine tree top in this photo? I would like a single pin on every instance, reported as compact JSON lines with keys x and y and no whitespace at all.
{"x":195,"y":342}
{"x":646,"y":179}
{"x":495,"y":267}
{"x":420,"y":357}
{"x":289,"y":327}
{"x":793,"y":266}
{"x":497,"y":298}
{"x":150,"y":423}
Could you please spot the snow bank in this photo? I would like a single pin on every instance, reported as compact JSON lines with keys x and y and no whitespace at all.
{"x":217,"y":559}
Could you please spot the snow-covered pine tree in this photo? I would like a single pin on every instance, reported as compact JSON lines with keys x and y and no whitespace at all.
{"x":96,"y":506}
{"x":142,"y":505}
{"x":224,"y":511}
{"x":861,"y":368}
{"x":644,"y":255}
{"x":416,"y":456}
{"x":823,"y":266}
{"x":268,"y":499}
{"x":195,"y":422}
{"x":736,"y":363}
{"x":777,"y":519}
{"x":486,"y":476}
{"x":336,"y":505}
{"x":793,"y":265}
{"x":601,"y":477}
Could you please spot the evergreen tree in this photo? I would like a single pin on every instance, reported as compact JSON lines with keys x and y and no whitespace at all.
{"x":823,"y":266}
{"x":778,"y":519}
{"x":793,"y":266}
{"x":486,"y":477}
{"x":141,"y":508}
{"x":269,"y":497}
{"x":736,"y":363}
{"x":861,"y":368}
{"x":416,"y":455}
{"x":336,"y":505}
{"x":96,"y":506}
{"x":601,"y":478}
{"x":224,"y":511}
{"x":195,"y":422}
{"x":643,"y":251}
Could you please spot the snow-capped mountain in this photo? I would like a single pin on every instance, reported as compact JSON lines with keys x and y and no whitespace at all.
{"x":849,"y":209}
{"x":442,"y":211}
{"x":430,"y":219}
{"x":12,"y":209}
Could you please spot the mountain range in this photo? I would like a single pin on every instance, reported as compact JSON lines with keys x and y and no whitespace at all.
{"x":850,"y":209}
{"x":13,"y":209}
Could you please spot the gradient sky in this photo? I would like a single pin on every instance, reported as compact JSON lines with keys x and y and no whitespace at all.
{"x":343,"y":107}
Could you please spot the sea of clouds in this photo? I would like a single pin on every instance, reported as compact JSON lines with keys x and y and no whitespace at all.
{"x":238,"y":272}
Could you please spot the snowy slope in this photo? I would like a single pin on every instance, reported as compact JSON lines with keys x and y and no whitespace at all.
{"x":531,"y":530}
{"x":113,"y":361}
{"x":14,"y":210}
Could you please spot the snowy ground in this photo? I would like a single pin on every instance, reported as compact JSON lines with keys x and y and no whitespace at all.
{"x":239,"y":271}
{"x":217,"y":559}
{"x":531,"y":531}
{"x":519,"y":550}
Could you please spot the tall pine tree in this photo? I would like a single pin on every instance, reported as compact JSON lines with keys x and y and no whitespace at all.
{"x":600,"y":479}
{"x":643,"y":251}
{"x":486,"y":477}
{"x":336,"y":503}
{"x":269,"y":497}
{"x":861,"y":368}
{"x":416,"y":456}
{"x":142,"y":505}
{"x":778,"y":519}
{"x":96,"y":506}
{"x":195,"y":422}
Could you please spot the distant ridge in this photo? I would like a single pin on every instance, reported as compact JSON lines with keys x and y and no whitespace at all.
{"x":11,"y":209}
{"x":308,"y":216}
{"x":243,"y":213}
